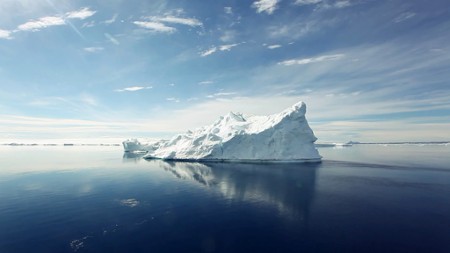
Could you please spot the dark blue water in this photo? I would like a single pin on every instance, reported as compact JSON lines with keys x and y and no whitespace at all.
{"x":71,"y":199}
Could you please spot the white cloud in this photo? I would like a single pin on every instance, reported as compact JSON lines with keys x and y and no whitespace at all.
{"x":208,"y":52}
{"x":299,"y":28}
{"x":389,"y":131}
{"x":307,"y":2}
{"x":93,"y":49}
{"x":207,"y":82}
{"x":88,"y":24}
{"x":221,"y":94}
{"x":404,"y":16}
{"x":62,"y":130}
{"x":335,"y":5}
{"x":228,"y":36}
{"x":160,"y":24}
{"x":44,"y":22}
{"x":228,"y":10}
{"x":112,"y":20}
{"x":155,"y":26}
{"x":177,"y":20}
{"x":172,"y":99}
{"x":325,"y":4}
{"x":80,"y":102}
{"x":342,"y":4}
{"x":311,"y":60}
{"x":437,"y":50}
{"x":134,"y":88}
{"x":83,"y":13}
{"x":5,"y":34}
{"x":213,"y":50}
{"x":205,"y":112}
{"x":88,"y":99}
{"x":227,"y":47}
{"x":273,"y":46}
{"x":268,"y":6}
{"x":36,"y":25}
{"x":46,"y":101}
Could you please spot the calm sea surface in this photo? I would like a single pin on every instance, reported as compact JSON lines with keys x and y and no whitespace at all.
{"x":365,"y":198}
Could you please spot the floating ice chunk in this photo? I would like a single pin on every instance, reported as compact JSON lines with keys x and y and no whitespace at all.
{"x":285,"y":136}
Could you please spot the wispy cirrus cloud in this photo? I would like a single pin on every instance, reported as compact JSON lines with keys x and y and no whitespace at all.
{"x":63,"y":130}
{"x":228,"y":10}
{"x":221,"y":94}
{"x":111,"y":20}
{"x":93,"y":49}
{"x":321,"y":4}
{"x":267,"y":6}
{"x":227,"y":47}
{"x":80,"y":102}
{"x":300,"y":27}
{"x":83,"y":13}
{"x":335,"y":5}
{"x":134,"y":88}
{"x":311,"y":60}
{"x":44,"y":22}
{"x":307,"y":2}
{"x":165,"y":24}
{"x":207,"y":82}
{"x":58,"y":20}
{"x":273,"y":46}
{"x":155,"y":26}
{"x":173,"y":99}
{"x":88,"y":99}
{"x":404,"y":16}
{"x":215,"y":49}
{"x":207,"y":52}
{"x":228,"y":36}
{"x":88,"y":24}
{"x":341,"y":4}
{"x":176,"y":20}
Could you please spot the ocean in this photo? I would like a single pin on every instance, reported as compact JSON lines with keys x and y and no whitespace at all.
{"x":364,"y":198}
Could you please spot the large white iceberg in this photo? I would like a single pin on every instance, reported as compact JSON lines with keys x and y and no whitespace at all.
{"x":285,"y":136}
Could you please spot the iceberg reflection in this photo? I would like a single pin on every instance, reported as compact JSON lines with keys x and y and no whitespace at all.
{"x":133,"y":156}
{"x":192,"y":171}
{"x":287,"y":187}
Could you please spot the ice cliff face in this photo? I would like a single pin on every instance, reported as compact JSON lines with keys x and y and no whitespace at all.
{"x":284,"y":136}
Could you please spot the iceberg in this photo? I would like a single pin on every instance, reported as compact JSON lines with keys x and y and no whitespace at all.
{"x":285,"y":136}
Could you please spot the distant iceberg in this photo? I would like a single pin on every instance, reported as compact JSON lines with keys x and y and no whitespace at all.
{"x":285,"y":136}
{"x":334,"y":145}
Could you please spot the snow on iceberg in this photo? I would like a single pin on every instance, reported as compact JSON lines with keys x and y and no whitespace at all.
{"x":285,"y":136}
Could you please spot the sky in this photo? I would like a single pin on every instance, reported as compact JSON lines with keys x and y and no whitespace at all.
{"x":93,"y":71}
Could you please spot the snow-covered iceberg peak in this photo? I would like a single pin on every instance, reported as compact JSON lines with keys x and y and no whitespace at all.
{"x":285,"y":136}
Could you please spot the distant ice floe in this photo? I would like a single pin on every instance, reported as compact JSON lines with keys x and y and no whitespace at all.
{"x":78,"y":244}
{"x":285,"y":136}
{"x":333,"y":145}
{"x":129,"y":202}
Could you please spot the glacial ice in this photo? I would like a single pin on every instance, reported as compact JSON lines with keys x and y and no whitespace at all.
{"x":285,"y":136}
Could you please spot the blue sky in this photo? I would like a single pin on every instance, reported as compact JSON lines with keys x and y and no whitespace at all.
{"x":104,"y":70}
